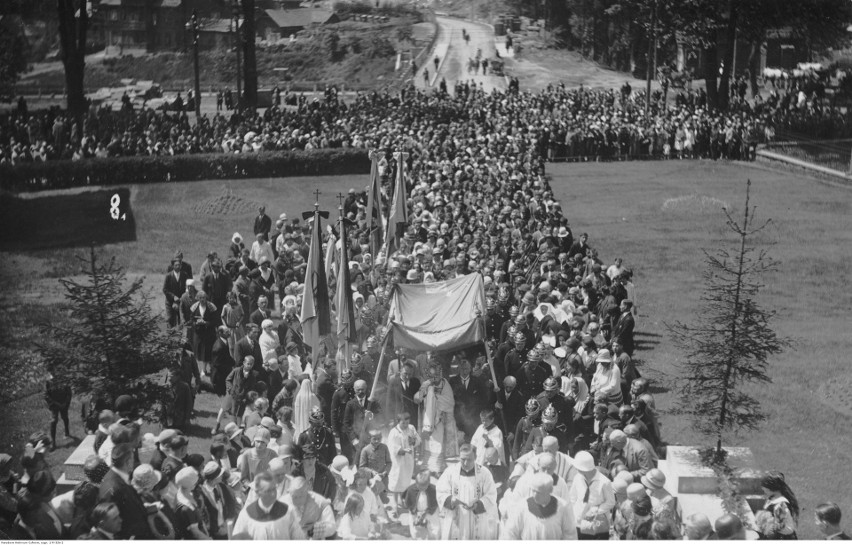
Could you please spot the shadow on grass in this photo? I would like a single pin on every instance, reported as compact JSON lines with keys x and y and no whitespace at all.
{"x":63,"y":221}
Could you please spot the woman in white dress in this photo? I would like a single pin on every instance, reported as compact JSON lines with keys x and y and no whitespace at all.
{"x":304,"y":403}
{"x":403,"y":439}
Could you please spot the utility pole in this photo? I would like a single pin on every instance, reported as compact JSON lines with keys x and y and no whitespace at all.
{"x":651,"y":41}
{"x":192,"y":26}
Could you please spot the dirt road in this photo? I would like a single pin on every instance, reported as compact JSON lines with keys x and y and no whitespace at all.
{"x":454,"y":53}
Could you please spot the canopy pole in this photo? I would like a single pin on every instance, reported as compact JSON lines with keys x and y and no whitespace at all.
{"x":378,"y":368}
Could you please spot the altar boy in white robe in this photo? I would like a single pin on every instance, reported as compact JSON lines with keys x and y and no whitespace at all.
{"x":440,"y":435}
{"x":468,"y":499}
{"x":487,"y":435}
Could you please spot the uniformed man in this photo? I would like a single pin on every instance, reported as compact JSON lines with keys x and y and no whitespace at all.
{"x":320,"y":436}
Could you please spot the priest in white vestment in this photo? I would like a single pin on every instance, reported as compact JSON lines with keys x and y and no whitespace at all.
{"x":468,"y":499}
{"x":540,"y":516}
{"x":440,"y":435}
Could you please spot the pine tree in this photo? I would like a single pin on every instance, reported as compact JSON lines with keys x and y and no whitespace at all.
{"x":728,"y":346}
{"x":113,"y":343}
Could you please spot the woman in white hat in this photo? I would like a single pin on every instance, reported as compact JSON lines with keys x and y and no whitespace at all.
{"x":190,"y":518}
{"x":607,"y":379}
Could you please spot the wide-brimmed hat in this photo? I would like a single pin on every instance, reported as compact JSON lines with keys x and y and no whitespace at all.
{"x":146,"y":477}
{"x":584,"y":461}
{"x":654,"y":479}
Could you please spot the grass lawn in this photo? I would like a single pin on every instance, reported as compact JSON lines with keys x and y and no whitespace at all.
{"x":653,"y":215}
{"x":656,"y":215}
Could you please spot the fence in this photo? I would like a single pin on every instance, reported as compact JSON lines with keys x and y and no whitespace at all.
{"x":833,"y":154}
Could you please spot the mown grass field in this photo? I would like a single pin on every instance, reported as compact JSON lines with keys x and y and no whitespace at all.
{"x":656,"y":215}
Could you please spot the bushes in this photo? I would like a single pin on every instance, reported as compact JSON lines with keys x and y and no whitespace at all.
{"x":179,"y":168}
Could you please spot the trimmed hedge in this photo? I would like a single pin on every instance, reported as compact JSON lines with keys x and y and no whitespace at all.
{"x":181,"y":168}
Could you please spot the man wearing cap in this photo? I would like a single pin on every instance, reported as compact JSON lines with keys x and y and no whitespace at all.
{"x":533,"y":374}
{"x":267,"y":518}
{"x":542,"y":516}
{"x":116,"y":488}
{"x":468,"y":496}
{"x":593,"y":499}
{"x":218,"y":500}
{"x":549,"y":427}
{"x":313,"y":512}
{"x":174,"y":286}
{"x":262,"y":223}
{"x":319,"y":436}
{"x":564,"y":407}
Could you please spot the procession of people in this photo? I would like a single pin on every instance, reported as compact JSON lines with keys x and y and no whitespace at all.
{"x":546,"y":430}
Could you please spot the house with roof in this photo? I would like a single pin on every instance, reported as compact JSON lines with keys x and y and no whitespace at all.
{"x":275,"y":24}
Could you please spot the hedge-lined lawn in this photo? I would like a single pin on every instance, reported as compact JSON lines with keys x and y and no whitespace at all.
{"x":658,"y":216}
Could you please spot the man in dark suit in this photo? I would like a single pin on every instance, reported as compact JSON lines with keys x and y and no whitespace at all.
{"x":339,"y":400}
{"x":240,"y":382}
{"x":511,"y":402}
{"x":579,"y":247}
{"x":471,"y":396}
{"x":174,"y":285}
{"x":116,"y":488}
{"x":217,"y":285}
{"x":262,"y":223}
{"x":359,"y":417}
{"x":221,"y":361}
{"x":623,"y":330}
{"x":261,"y":311}
{"x":249,"y":346}
{"x":401,"y":390}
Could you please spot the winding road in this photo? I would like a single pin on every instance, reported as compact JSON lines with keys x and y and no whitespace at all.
{"x":454,"y":55}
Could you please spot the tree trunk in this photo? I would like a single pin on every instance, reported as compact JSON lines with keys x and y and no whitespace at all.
{"x":711,"y":71}
{"x":73,"y":23}
{"x":754,"y":65}
{"x":730,"y":38}
{"x":249,"y":56}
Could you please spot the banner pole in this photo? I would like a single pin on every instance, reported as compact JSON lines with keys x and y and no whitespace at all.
{"x":378,"y":368}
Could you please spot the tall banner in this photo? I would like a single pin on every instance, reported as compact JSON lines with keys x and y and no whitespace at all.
{"x":316,"y":314}
{"x":398,"y":215}
{"x":346,"y":332}
{"x":374,"y":206}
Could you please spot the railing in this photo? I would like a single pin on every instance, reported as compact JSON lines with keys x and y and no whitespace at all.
{"x":833,"y":154}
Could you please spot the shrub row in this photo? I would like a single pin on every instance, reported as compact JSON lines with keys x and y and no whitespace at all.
{"x":180,"y":168}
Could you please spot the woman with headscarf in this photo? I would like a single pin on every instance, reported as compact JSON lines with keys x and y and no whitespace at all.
{"x":303,"y":405}
{"x":578,"y":392}
{"x":607,"y":379}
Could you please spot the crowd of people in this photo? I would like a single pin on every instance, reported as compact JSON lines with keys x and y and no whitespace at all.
{"x":577,"y":125}
{"x":546,"y":431}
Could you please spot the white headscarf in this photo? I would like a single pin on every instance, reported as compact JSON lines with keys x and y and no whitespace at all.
{"x":582,"y":396}
{"x":304,"y":403}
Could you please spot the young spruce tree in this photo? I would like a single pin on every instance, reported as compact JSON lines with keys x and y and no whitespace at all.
{"x":729,"y":344}
{"x":113,"y":343}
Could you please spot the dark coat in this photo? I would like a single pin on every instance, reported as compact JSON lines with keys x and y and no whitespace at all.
{"x":412,"y":493}
{"x":623,"y":331}
{"x":513,"y":410}
{"x":322,"y":439}
{"x":355,"y":425}
{"x":238,"y":385}
{"x":399,"y":400}
{"x":133,"y":514}
{"x":469,"y":401}
{"x":244,"y":348}
{"x":173,"y":288}
{"x":262,"y":224}
{"x":221,"y":364}
{"x":338,"y":407}
{"x":217,"y":288}
{"x":257,"y":317}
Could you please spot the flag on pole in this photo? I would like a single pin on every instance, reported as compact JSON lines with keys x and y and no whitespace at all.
{"x":374,"y":206}
{"x":346,"y":332}
{"x":316,"y":314}
{"x":398,"y":215}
